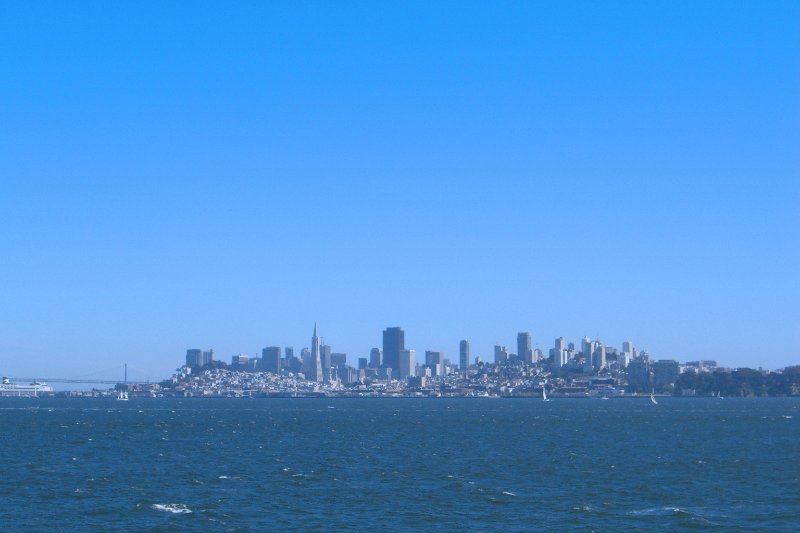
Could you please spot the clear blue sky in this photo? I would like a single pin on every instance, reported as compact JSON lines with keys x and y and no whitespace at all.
{"x":222,"y":176}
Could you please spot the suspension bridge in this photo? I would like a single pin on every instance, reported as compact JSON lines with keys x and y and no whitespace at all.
{"x":90,"y":379}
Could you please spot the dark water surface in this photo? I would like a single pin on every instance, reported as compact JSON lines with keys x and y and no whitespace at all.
{"x":398,"y":464}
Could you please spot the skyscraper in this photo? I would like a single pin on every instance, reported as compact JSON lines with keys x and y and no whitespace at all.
{"x":639,"y":375}
{"x":194,"y":357}
{"x":560,"y":353}
{"x":435,"y":360}
{"x":394,"y":341}
{"x":500,"y":355}
{"x":561,"y":344}
{"x":600,"y":356}
{"x":524,"y":351}
{"x":463,"y":355}
{"x":315,"y":370}
{"x":271,"y":359}
{"x":325,"y":362}
{"x":628,"y":352}
{"x":587,"y":349}
{"x":406,"y":366}
{"x":375,"y":358}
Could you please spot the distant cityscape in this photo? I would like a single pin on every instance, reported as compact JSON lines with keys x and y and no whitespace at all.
{"x":590,"y":369}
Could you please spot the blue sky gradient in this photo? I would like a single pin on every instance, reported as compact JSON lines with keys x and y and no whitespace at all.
{"x":222,"y":176}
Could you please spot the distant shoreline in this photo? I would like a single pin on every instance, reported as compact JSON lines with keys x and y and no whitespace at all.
{"x":78,"y":396}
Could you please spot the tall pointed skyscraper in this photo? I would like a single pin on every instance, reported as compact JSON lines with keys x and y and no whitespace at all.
{"x":315,"y":372}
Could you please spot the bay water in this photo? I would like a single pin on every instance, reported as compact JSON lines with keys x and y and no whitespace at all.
{"x":448,"y":464}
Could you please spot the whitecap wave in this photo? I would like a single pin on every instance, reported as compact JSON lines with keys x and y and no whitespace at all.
{"x":174,"y":508}
{"x":660,"y":511}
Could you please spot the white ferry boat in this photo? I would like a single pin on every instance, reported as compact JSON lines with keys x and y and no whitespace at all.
{"x":34,"y":389}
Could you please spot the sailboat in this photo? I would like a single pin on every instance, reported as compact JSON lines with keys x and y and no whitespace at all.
{"x":653,"y":397}
{"x":122,"y":396}
{"x":544,"y":393}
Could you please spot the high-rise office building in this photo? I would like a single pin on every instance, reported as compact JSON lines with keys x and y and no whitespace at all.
{"x":315,"y":364}
{"x":628,"y":351}
{"x":338,"y":359}
{"x":524,"y":348}
{"x":288,"y":356}
{"x":463,"y":354}
{"x":363,"y":363}
{"x":294,"y":365}
{"x":435,"y":360}
{"x":240,"y":362}
{"x":375,"y":358}
{"x":325,"y":362}
{"x":561,"y":344}
{"x":587,"y":350}
{"x":639,"y":375}
{"x":339,"y":368}
{"x":346,"y":374}
{"x":600,"y":356}
{"x":560,"y":356}
{"x":394,"y":341}
{"x":271,"y":359}
{"x":500,"y":355}
{"x":627,"y":347}
{"x":194,"y":357}
{"x":406,"y":364}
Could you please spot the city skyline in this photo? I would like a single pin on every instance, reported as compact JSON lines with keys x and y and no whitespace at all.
{"x":527,"y":351}
{"x":452,"y":352}
{"x":589,"y":369}
{"x":174,"y":178}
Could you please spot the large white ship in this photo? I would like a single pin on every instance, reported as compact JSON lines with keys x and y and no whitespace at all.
{"x":34,"y":389}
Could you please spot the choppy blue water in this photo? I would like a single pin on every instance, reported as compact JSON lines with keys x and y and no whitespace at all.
{"x":398,"y":464}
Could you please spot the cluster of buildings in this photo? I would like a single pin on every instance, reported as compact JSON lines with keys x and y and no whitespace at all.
{"x":591,"y":368}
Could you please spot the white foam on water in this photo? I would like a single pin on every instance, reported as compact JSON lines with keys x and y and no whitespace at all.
{"x":174,"y":508}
